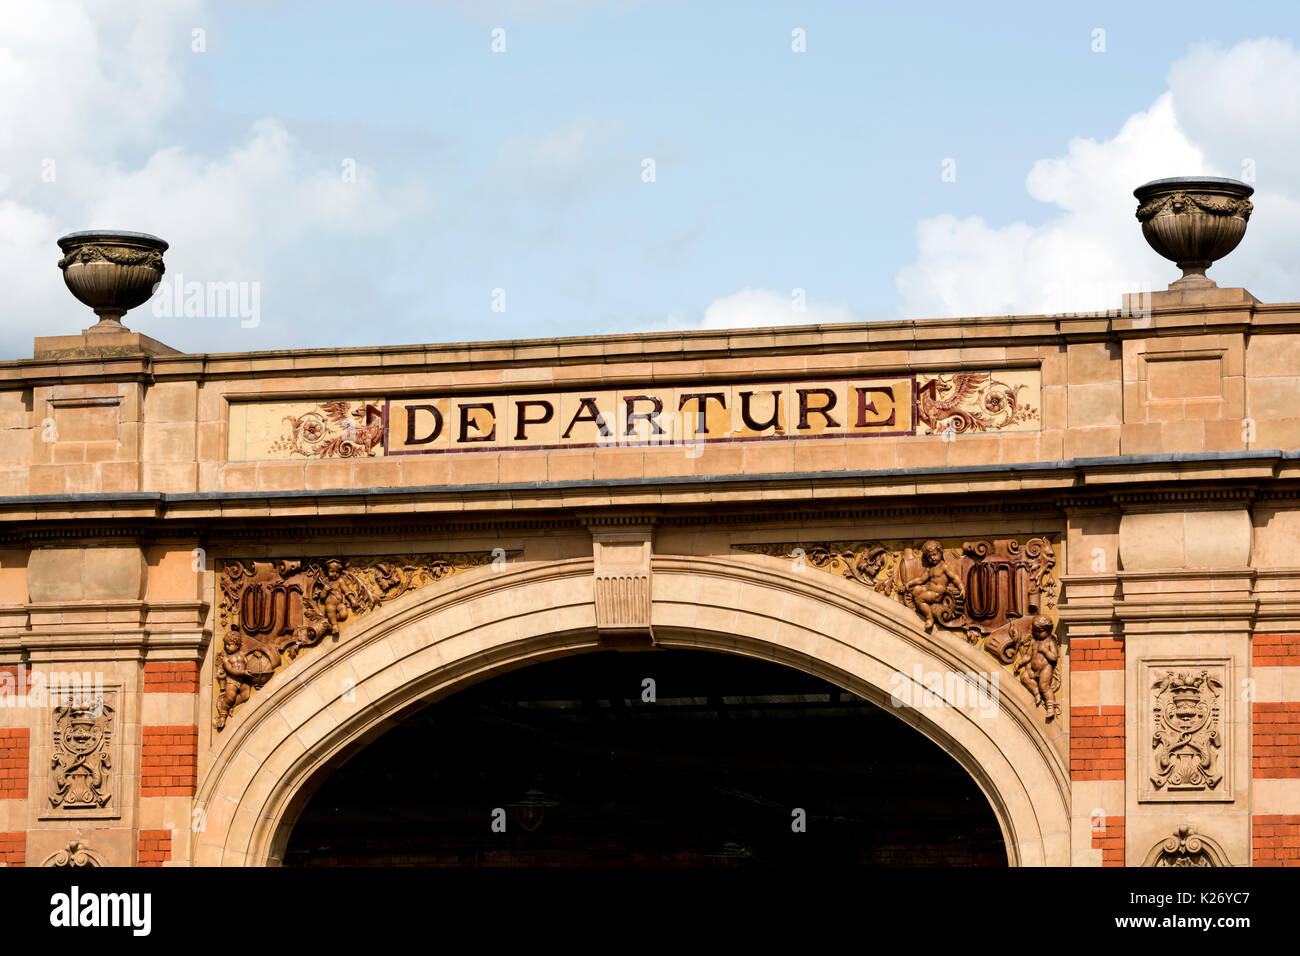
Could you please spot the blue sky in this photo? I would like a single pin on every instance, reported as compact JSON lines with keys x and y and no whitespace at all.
{"x":522,"y":170}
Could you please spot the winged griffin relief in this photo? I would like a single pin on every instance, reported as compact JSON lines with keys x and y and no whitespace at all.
{"x":339,"y":429}
{"x":970,"y":402}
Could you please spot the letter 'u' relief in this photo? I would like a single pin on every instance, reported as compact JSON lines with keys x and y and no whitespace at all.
{"x":1183,"y":726}
{"x":999,"y":594}
{"x":269,"y":610}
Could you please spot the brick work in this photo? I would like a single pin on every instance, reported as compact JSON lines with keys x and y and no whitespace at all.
{"x":13,"y":849}
{"x":169,"y":762}
{"x":1276,"y":840}
{"x":1097,"y":743}
{"x":171,"y":677}
{"x":155,"y":847}
{"x":1096,"y":654}
{"x":1275,"y":650}
{"x":15,"y":751}
{"x":1110,"y":841}
{"x":13,"y":680}
{"x":1275,"y":730}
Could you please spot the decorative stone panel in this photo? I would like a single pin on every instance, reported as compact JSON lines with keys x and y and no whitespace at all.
{"x":84,"y":735}
{"x":1186,"y":847}
{"x":1183,"y":731}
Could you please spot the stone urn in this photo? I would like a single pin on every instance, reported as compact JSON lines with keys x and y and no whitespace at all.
{"x":112,"y":272}
{"x":1193,"y":221}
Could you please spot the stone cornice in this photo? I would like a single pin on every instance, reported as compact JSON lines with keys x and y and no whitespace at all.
{"x":1040,"y":488}
{"x":124,"y":630}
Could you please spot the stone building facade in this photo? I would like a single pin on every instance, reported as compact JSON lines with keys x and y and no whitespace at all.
{"x":221,"y":574}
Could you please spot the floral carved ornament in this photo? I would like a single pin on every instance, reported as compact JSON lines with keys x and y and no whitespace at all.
{"x":999,"y":595}
{"x":269,"y":610}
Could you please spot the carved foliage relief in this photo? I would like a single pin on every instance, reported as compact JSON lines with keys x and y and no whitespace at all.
{"x":333,"y":430}
{"x":999,"y":594}
{"x":976,"y":402}
{"x":343,"y":428}
{"x":269,"y":610}
{"x":1186,"y":847}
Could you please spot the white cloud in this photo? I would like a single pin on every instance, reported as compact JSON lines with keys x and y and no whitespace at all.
{"x":756,"y":308}
{"x":561,"y":163}
{"x":507,"y":10}
{"x":91,"y":92}
{"x":1222,"y":108}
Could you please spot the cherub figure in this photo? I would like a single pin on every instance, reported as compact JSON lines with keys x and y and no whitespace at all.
{"x":334,"y":602}
{"x":1041,"y":668}
{"x":236,"y":681}
{"x":936,"y":582}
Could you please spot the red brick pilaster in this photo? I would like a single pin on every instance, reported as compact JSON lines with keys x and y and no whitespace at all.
{"x":169,"y":761}
{"x":1110,"y":841}
{"x":13,"y":680}
{"x":15,"y":752}
{"x":1097,"y":743}
{"x":1096,"y":654}
{"x":1275,"y":732}
{"x":13,"y":849}
{"x":1275,"y":840}
{"x":171,"y":677}
{"x":1275,"y":650}
{"x":155,"y":847}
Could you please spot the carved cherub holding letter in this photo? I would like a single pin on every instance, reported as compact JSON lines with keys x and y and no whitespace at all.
{"x":1041,"y":668}
{"x":935,"y":584}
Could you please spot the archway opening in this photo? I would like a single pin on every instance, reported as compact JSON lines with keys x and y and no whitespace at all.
{"x":666,"y":758}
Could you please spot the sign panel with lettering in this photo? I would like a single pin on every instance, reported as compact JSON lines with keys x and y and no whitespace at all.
{"x":638,"y":415}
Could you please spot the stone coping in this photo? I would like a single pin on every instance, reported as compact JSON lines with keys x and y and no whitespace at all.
{"x":1171,"y":313}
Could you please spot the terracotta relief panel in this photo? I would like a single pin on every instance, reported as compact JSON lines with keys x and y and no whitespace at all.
{"x":979,"y":402}
{"x":997,"y":594}
{"x":861,"y":407}
{"x":270,"y":610}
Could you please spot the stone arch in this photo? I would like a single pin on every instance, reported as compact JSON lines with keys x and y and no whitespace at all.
{"x":334,"y":699}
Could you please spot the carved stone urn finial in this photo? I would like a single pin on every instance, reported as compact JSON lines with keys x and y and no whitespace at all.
{"x":111,"y":271}
{"x":1194,"y":221}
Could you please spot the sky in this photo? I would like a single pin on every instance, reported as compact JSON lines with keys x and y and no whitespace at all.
{"x":402,"y":172}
